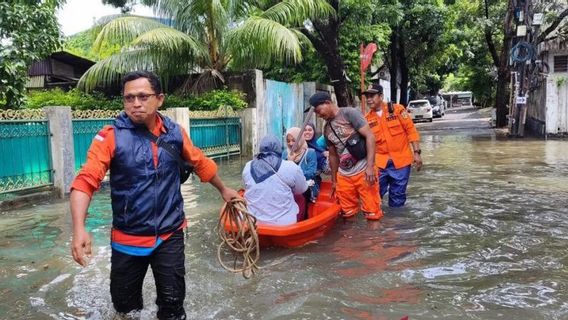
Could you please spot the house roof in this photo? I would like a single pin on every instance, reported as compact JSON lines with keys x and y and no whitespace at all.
{"x":70,"y":58}
{"x":43,"y":67}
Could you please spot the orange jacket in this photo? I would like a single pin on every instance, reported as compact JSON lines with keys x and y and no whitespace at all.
{"x":393,"y":134}
{"x":102,"y":150}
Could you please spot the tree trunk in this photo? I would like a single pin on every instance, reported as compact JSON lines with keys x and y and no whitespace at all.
{"x":325,"y":40}
{"x":501,"y":63}
{"x":404,"y":77}
{"x":502,"y":96}
{"x":394,"y":64}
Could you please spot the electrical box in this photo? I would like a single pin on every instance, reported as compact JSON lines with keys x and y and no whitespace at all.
{"x":521,"y":30}
{"x":538,"y":19}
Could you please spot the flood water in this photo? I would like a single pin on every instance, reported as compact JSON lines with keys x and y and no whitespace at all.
{"x":483,"y":236}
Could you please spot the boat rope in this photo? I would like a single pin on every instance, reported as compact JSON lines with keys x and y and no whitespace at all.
{"x":240,"y":237}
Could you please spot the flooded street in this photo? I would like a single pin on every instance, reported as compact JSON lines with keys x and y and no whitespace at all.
{"x":483,"y":236}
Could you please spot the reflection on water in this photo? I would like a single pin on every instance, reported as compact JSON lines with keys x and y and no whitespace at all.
{"x":483,"y":236}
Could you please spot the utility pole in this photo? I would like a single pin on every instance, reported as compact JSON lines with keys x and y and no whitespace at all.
{"x":522,"y":55}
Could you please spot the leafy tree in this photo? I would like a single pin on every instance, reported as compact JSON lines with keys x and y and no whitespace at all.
{"x":81,"y":44}
{"x":28,"y":32}
{"x":415,"y":41}
{"x":359,"y":26}
{"x":469,"y":60}
{"x":199,"y":39}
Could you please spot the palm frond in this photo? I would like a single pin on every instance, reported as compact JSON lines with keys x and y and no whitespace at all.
{"x":109,"y":71}
{"x":170,"y":40}
{"x":295,"y":12}
{"x":259,"y":42}
{"x":125,"y":29}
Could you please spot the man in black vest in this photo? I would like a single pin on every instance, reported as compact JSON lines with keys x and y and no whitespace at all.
{"x":147,"y":205}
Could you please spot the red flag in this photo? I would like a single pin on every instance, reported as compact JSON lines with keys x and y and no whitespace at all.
{"x":367,"y":56}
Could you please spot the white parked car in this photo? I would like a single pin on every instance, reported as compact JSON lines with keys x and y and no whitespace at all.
{"x":420,"y":110}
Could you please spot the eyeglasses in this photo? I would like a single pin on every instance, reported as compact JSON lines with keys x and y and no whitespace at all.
{"x":143,"y":97}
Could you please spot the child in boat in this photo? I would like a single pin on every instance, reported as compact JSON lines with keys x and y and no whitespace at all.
{"x":270,"y":184}
{"x":306,"y":158}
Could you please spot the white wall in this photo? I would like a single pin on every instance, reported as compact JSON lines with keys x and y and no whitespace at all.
{"x":556,"y":100}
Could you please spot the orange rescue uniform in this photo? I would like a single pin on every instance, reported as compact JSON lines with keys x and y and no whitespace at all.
{"x":351,"y":189}
{"x":393,"y":134}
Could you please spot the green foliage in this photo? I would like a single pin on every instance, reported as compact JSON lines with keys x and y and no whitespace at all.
{"x":359,"y":26}
{"x":203,"y":34}
{"x":28,"y":32}
{"x":79,"y":100}
{"x":73,"y":98}
{"x":81,"y":44}
{"x":211,"y":100}
{"x":472,"y":68}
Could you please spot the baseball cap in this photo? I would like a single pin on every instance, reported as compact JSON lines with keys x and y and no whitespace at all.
{"x":374,"y":88}
{"x":318,"y":98}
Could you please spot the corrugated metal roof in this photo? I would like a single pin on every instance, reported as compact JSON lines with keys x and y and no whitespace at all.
{"x":43,"y":67}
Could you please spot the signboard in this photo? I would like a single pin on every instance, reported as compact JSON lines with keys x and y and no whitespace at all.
{"x":521,"y":100}
{"x":537,"y":19}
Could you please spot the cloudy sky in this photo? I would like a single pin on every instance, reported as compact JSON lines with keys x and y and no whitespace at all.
{"x":79,"y":15}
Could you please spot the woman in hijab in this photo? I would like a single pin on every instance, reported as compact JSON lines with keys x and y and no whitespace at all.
{"x":270,"y":184}
{"x":304,"y":157}
{"x":318,"y":144}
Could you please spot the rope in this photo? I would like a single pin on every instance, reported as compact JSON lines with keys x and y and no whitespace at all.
{"x":241,"y":237}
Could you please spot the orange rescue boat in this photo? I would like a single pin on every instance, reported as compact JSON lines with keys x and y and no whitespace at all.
{"x":321,"y":219}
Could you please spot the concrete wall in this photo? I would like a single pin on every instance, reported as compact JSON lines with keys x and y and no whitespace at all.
{"x":62,"y":149}
{"x":273,"y":106}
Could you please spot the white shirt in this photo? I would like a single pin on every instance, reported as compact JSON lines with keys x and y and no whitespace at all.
{"x":272,"y":200}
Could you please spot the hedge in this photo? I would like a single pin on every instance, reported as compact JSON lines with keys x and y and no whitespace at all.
{"x":81,"y":101}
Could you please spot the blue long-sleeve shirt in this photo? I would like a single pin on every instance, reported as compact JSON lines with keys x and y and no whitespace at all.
{"x":308,"y":164}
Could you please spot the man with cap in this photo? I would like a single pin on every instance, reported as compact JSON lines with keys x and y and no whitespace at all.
{"x":353,"y":174}
{"x":394,"y":133}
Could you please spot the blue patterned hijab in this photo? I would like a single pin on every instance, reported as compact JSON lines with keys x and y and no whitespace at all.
{"x":268,"y":160}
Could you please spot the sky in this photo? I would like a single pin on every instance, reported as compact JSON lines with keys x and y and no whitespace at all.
{"x":79,"y":15}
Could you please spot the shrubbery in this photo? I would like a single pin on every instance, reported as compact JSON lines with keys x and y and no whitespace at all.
{"x":81,"y":101}
{"x":73,"y":98}
{"x":208,"y":101}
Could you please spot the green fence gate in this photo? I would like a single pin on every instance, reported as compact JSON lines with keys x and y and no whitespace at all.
{"x":83,"y":133}
{"x":217,"y":137}
{"x":25,"y":157}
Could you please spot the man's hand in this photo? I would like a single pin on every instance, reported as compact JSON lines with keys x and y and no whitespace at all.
{"x":333,"y":187}
{"x":370,"y":175}
{"x":417,"y":161}
{"x":229,"y":194}
{"x":81,"y":246}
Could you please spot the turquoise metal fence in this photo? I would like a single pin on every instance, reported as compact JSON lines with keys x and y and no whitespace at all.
{"x":83,"y":133}
{"x":218,"y":137}
{"x":25,"y":155}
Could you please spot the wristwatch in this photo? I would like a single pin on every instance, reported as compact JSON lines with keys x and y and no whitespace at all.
{"x":418,"y":151}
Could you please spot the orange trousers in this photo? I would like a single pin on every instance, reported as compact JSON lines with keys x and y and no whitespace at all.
{"x":352,"y":190}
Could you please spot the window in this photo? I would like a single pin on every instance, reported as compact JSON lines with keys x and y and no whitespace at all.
{"x":561,"y":63}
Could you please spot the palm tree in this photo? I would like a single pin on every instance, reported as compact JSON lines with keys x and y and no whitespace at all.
{"x":204,"y":36}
